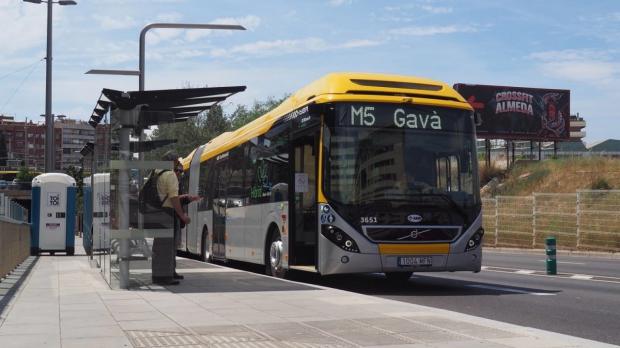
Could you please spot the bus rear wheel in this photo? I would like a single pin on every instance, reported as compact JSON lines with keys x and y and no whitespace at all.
{"x":274,"y":264}
{"x":400,"y":277}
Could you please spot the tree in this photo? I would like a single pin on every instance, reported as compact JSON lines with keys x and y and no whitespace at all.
{"x":77,"y":173}
{"x":206,"y":126}
{"x":242,"y":115}
{"x":24,"y":175}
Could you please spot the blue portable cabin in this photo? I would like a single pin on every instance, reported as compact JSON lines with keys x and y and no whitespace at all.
{"x":87,"y":215}
{"x":53,"y":212}
{"x":96,"y":212}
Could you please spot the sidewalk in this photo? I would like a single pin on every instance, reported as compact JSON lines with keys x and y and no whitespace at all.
{"x":65,"y":303}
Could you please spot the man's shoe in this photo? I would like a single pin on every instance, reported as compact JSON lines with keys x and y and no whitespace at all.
{"x":178,"y":276}
{"x":165,"y":281}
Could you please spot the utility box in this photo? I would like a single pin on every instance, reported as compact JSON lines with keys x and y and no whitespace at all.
{"x":52,"y":214}
{"x":96,"y":219}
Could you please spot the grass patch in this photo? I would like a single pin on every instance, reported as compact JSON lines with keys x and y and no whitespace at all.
{"x":560,"y":176}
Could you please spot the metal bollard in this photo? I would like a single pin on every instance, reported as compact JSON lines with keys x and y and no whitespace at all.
{"x":550,"y":250}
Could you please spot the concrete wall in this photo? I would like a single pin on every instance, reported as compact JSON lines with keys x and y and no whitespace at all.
{"x":14,"y":244}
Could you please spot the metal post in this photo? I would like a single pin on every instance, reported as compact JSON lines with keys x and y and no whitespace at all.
{"x":550,"y":250}
{"x":507,"y":154}
{"x":578,"y":222}
{"x":92,"y":203}
{"x":487,"y":152}
{"x":533,"y":220}
{"x":496,"y":221}
{"x":49,"y":118}
{"x":123,"y":193}
{"x":539,"y":151}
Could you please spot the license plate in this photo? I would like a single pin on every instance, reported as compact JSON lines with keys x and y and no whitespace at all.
{"x":415,"y":261}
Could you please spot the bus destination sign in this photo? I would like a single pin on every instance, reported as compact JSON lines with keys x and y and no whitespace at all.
{"x":402,"y":116}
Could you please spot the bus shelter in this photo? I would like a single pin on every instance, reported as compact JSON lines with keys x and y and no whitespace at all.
{"x":125,"y":256}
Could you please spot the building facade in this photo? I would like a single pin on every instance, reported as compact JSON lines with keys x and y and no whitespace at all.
{"x":24,"y":143}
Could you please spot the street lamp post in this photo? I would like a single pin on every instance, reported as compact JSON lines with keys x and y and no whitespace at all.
{"x":49,"y":118}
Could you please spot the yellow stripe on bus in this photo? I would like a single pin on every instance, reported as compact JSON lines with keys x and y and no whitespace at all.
{"x":414,"y":249}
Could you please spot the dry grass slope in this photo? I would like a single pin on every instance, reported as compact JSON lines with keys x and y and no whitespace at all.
{"x":561,"y":176}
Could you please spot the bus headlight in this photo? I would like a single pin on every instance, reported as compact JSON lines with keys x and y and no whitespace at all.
{"x":341,"y":239}
{"x":475,"y":240}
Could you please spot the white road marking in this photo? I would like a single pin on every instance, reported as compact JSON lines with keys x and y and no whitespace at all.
{"x":582,"y":276}
{"x":516,"y":291}
{"x":566,"y":262}
{"x":593,"y":278}
{"x":525,"y":271}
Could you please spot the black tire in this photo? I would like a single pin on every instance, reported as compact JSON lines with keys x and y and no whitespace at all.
{"x":273,"y":256}
{"x":52,"y":253}
{"x":204,"y":252}
{"x":398,"y":277}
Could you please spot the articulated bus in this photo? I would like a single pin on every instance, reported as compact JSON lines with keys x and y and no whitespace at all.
{"x":354,"y":173}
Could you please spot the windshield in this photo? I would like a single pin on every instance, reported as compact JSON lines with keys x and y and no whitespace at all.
{"x":398,"y":153}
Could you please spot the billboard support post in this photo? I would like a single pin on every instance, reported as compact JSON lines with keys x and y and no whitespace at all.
{"x":539,"y":151}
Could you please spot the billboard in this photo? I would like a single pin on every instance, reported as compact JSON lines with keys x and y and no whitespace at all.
{"x":519,"y":112}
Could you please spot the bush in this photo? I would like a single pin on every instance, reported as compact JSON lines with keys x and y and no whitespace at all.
{"x":488,"y":173}
{"x":600,"y":184}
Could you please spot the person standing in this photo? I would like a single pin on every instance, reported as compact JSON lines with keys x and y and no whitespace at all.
{"x":169,"y":217}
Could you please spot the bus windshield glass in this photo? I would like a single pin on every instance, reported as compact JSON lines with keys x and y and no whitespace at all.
{"x":380,"y":154}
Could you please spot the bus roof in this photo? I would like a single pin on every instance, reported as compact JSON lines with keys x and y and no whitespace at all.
{"x":353,"y":87}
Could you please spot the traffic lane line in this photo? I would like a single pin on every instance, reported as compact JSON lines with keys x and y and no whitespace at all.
{"x":576,"y":276}
{"x":508,"y":289}
{"x":567,"y":262}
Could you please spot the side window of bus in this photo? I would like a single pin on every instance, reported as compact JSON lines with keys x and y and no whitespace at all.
{"x":277,"y":143}
{"x":268,"y":167}
{"x":235,"y":194}
{"x":205,"y":169}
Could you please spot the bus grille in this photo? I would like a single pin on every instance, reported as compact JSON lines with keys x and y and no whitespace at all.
{"x":408,"y":234}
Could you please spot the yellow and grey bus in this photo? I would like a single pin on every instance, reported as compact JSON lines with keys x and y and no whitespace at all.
{"x":354,"y":173}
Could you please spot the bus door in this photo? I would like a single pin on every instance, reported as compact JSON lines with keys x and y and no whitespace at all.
{"x":303,"y":239}
{"x":193,"y":229}
{"x":221,"y":177}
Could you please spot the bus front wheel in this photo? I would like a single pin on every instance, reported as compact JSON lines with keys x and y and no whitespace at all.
{"x":274,"y":264}
{"x":400,"y":277}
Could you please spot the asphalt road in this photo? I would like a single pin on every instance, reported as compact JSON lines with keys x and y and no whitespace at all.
{"x":583,"y":300}
{"x":572,"y":303}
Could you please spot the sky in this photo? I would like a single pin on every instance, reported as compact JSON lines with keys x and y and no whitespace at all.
{"x":563,"y":44}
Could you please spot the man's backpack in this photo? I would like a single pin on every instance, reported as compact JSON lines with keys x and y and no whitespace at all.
{"x":148,"y":197}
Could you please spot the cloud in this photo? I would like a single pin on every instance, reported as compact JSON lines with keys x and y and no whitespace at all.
{"x":115,"y":23}
{"x":250,"y":22}
{"x":336,"y":3}
{"x":23,"y":26}
{"x":579,"y":65}
{"x":169,"y":17}
{"x":436,"y":9}
{"x":268,"y":48}
{"x":433,"y":30}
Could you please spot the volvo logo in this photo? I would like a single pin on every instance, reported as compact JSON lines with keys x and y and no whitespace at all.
{"x":414,"y":234}
{"x":415,"y":218}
